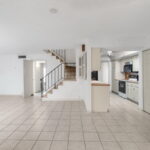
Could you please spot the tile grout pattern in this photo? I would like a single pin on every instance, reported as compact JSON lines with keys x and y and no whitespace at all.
{"x":29,"y":124}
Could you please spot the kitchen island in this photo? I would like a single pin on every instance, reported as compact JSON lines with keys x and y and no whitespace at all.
{"x":100,"y":93}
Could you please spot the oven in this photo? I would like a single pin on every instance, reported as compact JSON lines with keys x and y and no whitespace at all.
{"x":122,"y":89}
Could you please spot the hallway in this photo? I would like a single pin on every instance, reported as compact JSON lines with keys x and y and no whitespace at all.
{"x":29,"y":124}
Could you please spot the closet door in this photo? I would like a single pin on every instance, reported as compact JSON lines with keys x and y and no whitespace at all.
{"x":146,"y":80}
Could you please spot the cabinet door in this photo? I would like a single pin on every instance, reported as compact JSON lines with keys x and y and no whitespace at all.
{"x":115,"y":86}
{"x":136,"y":94}
{"x":133,"y":93}
{"x":129,"y":90}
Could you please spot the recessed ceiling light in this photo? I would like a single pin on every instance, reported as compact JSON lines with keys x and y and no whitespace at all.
{"x":109,"y":53}
{"x":53,"y":10}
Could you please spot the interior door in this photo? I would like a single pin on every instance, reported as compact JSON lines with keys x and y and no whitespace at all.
{"x":146,"y":80}
{"x":28,"y":78}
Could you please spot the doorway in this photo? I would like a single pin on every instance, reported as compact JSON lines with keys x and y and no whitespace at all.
{"x":146,"y":80}
{"x":28,"y":78}
{"x":33,"y":72}
{"x":39,"y":70}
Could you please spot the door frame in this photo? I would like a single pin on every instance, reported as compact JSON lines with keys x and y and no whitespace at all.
{"x":143,"y":78}
{"x":24,"y":79}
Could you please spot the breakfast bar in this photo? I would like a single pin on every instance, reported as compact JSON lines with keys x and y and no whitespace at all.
{"x":100,"y":96}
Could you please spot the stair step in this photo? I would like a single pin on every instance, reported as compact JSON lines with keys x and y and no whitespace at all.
{"x":50,"y":92}
{"x":56,"y":87}
{"x":45,"y":96}
{"x":61,"y":83}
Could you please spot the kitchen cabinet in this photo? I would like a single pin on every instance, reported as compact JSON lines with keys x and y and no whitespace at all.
{"x":100,"y":97}
{"x":132,"y":91}
{"x":133,"y":60}
{"x":115,"y":86}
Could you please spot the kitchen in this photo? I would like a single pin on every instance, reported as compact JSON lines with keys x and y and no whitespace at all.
{"x":122,"y":72}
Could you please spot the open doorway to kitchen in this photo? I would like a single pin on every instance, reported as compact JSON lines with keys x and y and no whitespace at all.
{"x":33,"y":72}
{"x":121,"y":70}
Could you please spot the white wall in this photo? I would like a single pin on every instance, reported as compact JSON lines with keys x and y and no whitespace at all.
{"x":28,"y":78}
{"x":141,"y":97}
{"x":11,"y":71}
{"x":51,"y":61}
{"x":123,"y":54}
{"x":11,"y":75}
{"x":104,"y":72}
{"x":84,"y":85}
{"x":117,"y":72}
{"x":69,"y":90}
{"x":70,"y":56}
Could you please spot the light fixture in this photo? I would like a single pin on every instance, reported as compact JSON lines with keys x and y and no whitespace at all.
{"x":53,"y":11}
{"x":109,"y":53}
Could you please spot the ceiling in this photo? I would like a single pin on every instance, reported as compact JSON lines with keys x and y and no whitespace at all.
{"x":29,"y":26}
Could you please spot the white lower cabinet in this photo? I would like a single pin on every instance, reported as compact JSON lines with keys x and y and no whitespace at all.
{"x":115,"y":87}
{"x":132,"y":91}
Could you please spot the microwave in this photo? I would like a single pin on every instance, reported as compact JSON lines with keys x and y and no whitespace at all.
{"x":128,"y":68}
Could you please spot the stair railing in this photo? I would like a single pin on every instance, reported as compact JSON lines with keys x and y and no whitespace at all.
{"x":58,"y":74}
{"x":52,"y":79}
{"x":60,"y":53}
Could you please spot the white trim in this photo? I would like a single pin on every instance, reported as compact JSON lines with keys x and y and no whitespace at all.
{"x":141,"y":100}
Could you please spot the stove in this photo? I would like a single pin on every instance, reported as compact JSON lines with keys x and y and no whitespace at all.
{"x":122,"y":89}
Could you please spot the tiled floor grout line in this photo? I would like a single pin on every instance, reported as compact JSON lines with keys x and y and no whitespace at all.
{"x":14,"y":130}
{"x":27,"y":130}
{"x":83,"y":132}
{"x":54,"y":133}
{"x":126,"y":133}
{"x":63,"y":109}
{"x":69,"y":127}
{"x":97,"y":133}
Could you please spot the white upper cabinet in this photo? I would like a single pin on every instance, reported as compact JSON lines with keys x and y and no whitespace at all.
{"x":133,"y":60}
{"x":96,"y":59}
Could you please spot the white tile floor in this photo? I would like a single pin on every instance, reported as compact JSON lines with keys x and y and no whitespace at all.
{"x":29,"y":124}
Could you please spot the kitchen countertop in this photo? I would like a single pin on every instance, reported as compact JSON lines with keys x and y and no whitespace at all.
{"x":98,"y":83}
{"x":127,"y":81}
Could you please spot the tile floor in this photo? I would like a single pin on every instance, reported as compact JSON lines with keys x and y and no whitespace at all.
{"x":29,"y":124}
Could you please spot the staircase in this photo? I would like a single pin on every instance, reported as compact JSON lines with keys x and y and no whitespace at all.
{"x":55,"y":78}
{"x":59,"y":54}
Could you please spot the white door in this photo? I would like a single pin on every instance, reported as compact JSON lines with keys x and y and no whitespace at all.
{"x":28,"y":78}
{"x":38,"y":74}
{"x":146,"y":80}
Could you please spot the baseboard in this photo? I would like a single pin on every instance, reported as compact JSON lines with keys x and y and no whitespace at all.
{"x":11,"y":95}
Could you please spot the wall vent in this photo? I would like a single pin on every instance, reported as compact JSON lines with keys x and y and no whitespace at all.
{"x":22,"y":56}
